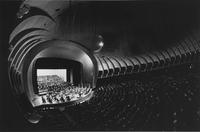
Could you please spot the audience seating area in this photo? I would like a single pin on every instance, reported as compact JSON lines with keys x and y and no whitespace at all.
{"x":161,"y":100}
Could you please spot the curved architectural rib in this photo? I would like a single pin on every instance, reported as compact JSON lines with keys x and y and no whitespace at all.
{"x":186,"y":51}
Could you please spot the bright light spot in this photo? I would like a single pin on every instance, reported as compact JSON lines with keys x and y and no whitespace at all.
{"x":47,"y":72}
{"x":101,"y":44}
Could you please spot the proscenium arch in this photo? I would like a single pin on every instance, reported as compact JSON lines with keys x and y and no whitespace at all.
{"x":58,"y":49}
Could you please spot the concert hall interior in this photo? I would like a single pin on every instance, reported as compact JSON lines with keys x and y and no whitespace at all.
{"x":100,"y":65}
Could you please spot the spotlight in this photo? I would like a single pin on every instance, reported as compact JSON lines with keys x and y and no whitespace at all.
{"x":99,"y":44}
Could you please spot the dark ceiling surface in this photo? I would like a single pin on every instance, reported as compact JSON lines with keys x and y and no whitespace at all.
{"x":160,"y":100}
